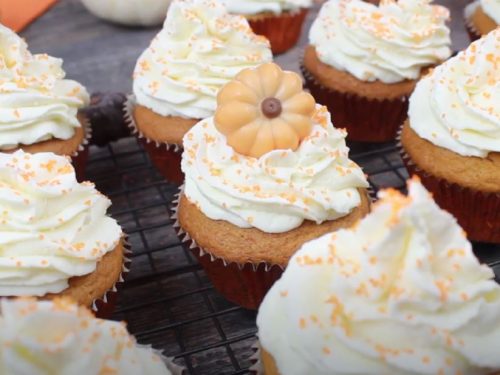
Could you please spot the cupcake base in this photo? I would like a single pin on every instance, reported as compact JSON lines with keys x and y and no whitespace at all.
{"x":160,"y":136}
{"x":76,"y":147}
{"x":366,"y":119}
{"x":166,"y":158}
{"x":282,"y":30}
{"x":98,"y":289}
{"x":477,"y":22}
{"x":243,"y":263}
{"x":477,"y":212}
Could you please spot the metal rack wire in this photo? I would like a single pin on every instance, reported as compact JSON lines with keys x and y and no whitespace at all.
{"x":166,"y":299}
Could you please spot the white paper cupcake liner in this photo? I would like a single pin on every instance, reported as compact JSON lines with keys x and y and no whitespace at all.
{"x":256,"y":368}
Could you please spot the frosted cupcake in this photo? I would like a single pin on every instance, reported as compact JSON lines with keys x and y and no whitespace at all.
{"x":364,"y":60}
{"x":55,"y":236}
{"x":399,"y":293}
{"x":481,"y":17}
{"x":38,"y":106}
{"x":267,"y":173}
{"x":452,"y":137}
{"x":280,"y":21}
{"x":58,"y":337}
{"x":200,"y":48}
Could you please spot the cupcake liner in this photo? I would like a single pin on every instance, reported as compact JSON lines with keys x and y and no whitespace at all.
{"x":282,"y":31}
{"x":469,"y":10}
{"x":244,"y":284}
{"x":365,"y":119}
{"x":80,"y":157}
{"x":256,"y":367}
{"x":165,"y":157}
{"x":477,"y":212}
{"x":103,"y":307}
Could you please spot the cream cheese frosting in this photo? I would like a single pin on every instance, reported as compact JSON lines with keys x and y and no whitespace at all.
{"x":36,"y":102}
{"x":58,"y":337}
{"x":391,"y":42}
{"x":200,"y":48}
{"x":456,"y":106}
{"x":251,"y":7}
{"x":278,"y":191}
{"x":52,"y":228}
{"x":400,"y":293}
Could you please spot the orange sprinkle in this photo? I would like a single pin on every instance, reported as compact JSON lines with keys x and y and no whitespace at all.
{"x":302,"y":323}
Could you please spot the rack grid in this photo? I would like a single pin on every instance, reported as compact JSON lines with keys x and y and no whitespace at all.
{"x":167,"y":299}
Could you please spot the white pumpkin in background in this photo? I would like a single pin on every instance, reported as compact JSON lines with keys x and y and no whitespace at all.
{"x":129,"y":12}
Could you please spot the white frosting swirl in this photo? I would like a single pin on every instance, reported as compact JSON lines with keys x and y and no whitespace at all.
{"x":457,"y":106}
{"x":36,"y":102}
{"x":200,"y":49}
{"x":389,"y":43}
{"x":52,"y":228}
{"x":282,"y":188}
{"x":492,"y":9}
{"x":251,"y":7}
{"x":400,"y":293}
{"x":61,"y":338}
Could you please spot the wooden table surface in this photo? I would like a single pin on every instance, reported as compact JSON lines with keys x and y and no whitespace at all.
{"x":102,"y":55}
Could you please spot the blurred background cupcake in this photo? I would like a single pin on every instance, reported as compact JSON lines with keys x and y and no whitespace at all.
{"x":452,"y":137}
{"x":481,"y":17}
{"x":267,"y":173}
{"x":200,"y":48}
{"x":399,"y":293}
{"x":60,"y":337}
{"x":39,"y":108}
{"x":55,"y":236}
{"x":364,"y":60}
{"x":129,"y":12}
{"x":280,"y":21}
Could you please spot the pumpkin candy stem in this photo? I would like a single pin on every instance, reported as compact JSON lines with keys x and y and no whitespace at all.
{"x":271,"y":107}
{"x":264,"y":109}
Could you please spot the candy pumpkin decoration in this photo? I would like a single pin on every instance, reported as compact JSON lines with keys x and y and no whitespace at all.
{"x":264,"y":109}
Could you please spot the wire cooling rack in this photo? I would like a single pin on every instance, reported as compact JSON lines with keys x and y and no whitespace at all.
{"x":166,"y":299}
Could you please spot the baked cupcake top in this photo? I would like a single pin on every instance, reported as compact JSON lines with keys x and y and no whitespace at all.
{"x":252,"y":7}
{"x":391,"y":42}
{"x":52,"y":228}
{"x":58,"y":337}
{"x":270,"y":158}
{"x":400,"y":293}
{"x":200,"y":48}
{"x":456,"y":106}
{"x":36,"y":102}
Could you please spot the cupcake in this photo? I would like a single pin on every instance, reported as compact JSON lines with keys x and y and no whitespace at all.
{"x":38,"y":106}
{"x":55,"y":237}
{"x":399,"y":293}
{"x":364,"y":60}
{"x":200,"y":48}
{"x":267,"y":173}
{"x":452,"y":137}
{"x":280,"y":21}
{"x":60,"y":337}
{"x":481,"y":17}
